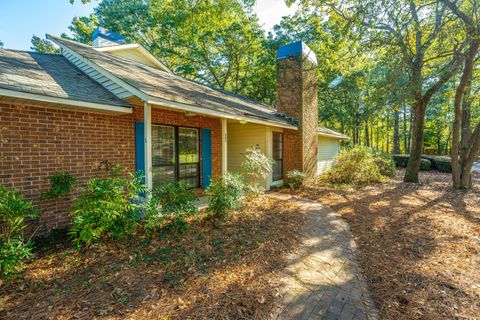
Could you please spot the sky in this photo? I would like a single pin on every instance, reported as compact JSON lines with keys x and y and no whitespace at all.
{"x":20,"y":19}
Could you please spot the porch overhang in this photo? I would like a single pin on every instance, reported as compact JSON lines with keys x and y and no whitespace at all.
{"x":182,"y":107}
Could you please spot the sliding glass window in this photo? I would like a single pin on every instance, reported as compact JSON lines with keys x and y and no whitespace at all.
{"x":277,"y":148}
{"x":175,"y":155}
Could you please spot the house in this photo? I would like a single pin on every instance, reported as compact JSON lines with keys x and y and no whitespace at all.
{"x":116,"y":102}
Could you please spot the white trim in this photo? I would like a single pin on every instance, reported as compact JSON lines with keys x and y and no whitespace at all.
{"x":147,"y":124}
{"x":65,"y":101}
{"x":224,"y":149}
{"x":126,"y":86}
{"x":150,"y":57}
{"x":332,"y":136}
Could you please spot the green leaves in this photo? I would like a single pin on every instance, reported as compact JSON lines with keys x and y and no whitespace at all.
{"x":43,"y":45}
{"x":61,"y":183}
{"x":107,"y":207}
{"x":13,"y":249}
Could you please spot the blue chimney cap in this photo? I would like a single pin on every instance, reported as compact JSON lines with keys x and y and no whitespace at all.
{"x":108,"y":35}
{"x":296,"y":49}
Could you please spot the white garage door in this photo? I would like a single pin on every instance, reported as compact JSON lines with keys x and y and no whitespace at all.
{"x":328,"y":148}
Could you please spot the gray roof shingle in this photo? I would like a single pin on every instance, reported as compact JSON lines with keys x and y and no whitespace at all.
{"x":50,"y":75}
{"x":329,"y":132}
{"x":157,"y":83}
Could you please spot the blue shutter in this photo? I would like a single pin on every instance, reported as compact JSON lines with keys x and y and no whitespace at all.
{"x":140,"y":146}
{"x":206,"y":157}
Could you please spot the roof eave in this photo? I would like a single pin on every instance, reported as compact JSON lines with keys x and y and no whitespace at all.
{"x":339,"y":137}
{"x":207,"y":112}
{"x":84,"y":105}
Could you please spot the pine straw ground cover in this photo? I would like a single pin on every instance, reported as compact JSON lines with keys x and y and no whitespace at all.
{"x":213,"y":271}
{"x":418,"y":244}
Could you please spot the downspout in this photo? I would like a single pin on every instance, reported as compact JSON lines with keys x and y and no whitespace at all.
{"x":147,"y":119}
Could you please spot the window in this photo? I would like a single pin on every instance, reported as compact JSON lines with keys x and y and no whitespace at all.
{"x":277,"y":153}
{"x":175,"y":155}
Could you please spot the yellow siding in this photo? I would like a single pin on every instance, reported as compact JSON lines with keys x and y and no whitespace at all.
{"x":135,"y":55}
{"x":328,"y":148}
{"x":240,"y":137}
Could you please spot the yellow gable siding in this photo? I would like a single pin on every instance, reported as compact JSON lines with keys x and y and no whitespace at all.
{"x":240,"y":137}
{"x":328,"y":148}
{"x":135,"y":55}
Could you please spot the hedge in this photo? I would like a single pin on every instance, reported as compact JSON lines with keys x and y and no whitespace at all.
{"x":440,"y":163}
{"x":401,"y":160}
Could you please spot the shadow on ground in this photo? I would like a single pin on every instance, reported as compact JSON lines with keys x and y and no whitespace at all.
{"x":418,"y":245}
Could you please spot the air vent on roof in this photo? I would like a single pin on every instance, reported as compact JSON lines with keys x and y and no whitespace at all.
{"x":102,"y":37}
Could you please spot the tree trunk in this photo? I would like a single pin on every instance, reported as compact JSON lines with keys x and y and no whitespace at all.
{"x":461,"y":178}
{"x":367,"y":135}
{"x":405,"y":134}
{"x":396,"y":136}
{"x":410,"y":128}
{"x":413,"y":166}
{"x":387,"y":131}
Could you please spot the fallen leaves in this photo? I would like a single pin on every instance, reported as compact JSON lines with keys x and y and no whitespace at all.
{"x":417,"y":244}
{"x":214,"y":271}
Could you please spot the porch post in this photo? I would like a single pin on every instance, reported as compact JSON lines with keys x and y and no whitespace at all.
{"x":147,"y":118}
{"x":224,"y":146}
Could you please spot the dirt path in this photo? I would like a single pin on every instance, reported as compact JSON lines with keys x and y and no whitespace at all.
{"x":322,"y":279}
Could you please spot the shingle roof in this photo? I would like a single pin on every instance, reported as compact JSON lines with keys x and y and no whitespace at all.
{"x":329,"y":132}
{"x":156,"y":83}
{"x":50,"y":75}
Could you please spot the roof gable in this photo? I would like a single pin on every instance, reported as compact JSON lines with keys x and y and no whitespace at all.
{"x":156,"y":85}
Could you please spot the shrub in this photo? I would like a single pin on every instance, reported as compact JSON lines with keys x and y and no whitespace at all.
{"x":425,"y":165}
{"x":296,"y":179}
{"x":14,"y":250}
{"x":258,"y":166}
{"x":386,"y":165}
{"x":226,"y":193}
{"x":107,"y":207}
{"x":169,"y":204}
{"x":357,"y":165}
{"x":61,"y":183}
{"x":440,"y":163}
{"x":401,"y":160}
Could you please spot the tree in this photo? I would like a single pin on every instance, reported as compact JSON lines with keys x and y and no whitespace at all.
{"x":465,"y":143}
{"x":420,"y":32}
{"x":1,"y":44}
{"x":217,"y":42}
{"x":43,"y":45}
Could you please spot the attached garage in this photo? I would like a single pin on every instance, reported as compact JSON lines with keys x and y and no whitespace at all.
{"x":328,"y":147}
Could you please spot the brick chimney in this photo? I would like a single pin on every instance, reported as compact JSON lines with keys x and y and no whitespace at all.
{"x":297,"y":98}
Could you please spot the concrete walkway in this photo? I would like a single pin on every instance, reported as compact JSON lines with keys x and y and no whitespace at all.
{"x":322,"y":280}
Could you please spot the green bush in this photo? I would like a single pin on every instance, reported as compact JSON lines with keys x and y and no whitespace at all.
{"x":440,"y":163}
{"x":295,"y":179}
{"x":14,"y":250}
{"x":226,"y":193}
{"x":425,"y":165}
{"x":401,"y":160}
{"x":357,"y":165}
{"x":258,"y":166}
{"x":61,"y":183}
{"x":386,"y":165}
{"x":107,"y":207}
{"x":168,"y":205}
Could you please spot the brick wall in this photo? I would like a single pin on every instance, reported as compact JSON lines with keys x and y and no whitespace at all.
{"x":297,"y":97}
{"x":36,"y":142}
